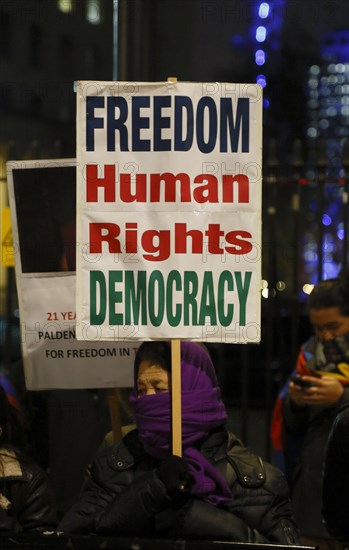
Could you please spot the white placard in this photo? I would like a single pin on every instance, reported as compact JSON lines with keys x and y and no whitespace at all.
{"x":169,"y":210}
{"x":42,"y":200}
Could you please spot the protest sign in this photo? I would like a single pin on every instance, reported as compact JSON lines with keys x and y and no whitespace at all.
{"x":43,"y":203}
{"x":7,"y":252}
{"x":169,"y":211}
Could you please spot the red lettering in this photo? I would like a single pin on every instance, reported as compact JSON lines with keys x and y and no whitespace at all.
{"x":169,"y":181}
{"x":228,"y":188}
{"x":181,"y":235}
{"x":166,"y":187}
{"x":206,"y":193}
{"x":104,"y":232}
{"x":214,"y":234}
{"x":161,"y":249}
{"x":131,"y":237}
{"x":93,"y":183}
{"x":155,"y":245}
{"x":240,"y":246}
{"x":140,"y":194}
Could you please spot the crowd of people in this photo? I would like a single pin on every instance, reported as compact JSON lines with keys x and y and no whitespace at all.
{"x":216,"y":488}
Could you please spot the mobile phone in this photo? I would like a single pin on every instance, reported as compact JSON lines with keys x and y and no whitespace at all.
{"x":298,"y":380}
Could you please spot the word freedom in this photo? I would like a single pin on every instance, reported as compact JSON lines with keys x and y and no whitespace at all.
{"x":163,"y":123}
{"x":140,"y":298}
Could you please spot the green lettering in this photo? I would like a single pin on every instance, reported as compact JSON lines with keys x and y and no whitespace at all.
{"x":97,"y":280}
{"x":174,"y":279}
{"x":226,"y":282}
{"x":115,"y":296}
{"x":190,"y":290}
{"x":135,"y":299}
{"x":156,"y":279}
{"x":243,"y":293}
{"x":207,"y":304}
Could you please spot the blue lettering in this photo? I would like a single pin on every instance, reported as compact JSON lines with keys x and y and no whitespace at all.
{"x":211,"y":131}
{"x":242,"y":119}
{"x":114,"y":124}
{"x":183,"y":143}
{"x":92,"y":122}
{"x":139,"y":122}
{"x":178,"y":124}
{"x":161,"y":122}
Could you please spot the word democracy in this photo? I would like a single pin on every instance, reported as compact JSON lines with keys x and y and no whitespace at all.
{"x":139,"y":298}
{"x":166,"y":123}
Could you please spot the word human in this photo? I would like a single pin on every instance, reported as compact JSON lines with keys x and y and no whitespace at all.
{"x":141,"y":298}
{"x":166,"y":123}
{"x":165,"y":187}
{"x":158,"y":245}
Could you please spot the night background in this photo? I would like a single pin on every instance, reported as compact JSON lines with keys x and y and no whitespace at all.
{"x":298,"y":50}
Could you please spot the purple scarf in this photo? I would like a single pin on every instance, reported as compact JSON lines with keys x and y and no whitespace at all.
{"x":202,"y":411}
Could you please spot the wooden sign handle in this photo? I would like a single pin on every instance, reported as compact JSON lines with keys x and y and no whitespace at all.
{"x":176,"y":389}
{"x":176,"y":397}
{"x":114,"y":410}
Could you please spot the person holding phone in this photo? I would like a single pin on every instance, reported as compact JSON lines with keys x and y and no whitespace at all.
{"x":308,"y":404}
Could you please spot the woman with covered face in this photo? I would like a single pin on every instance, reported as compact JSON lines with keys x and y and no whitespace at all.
{"x":217,"y":489}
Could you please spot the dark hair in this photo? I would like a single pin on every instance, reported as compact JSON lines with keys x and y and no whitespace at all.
{"x":156,"y":352}
{"x":331,"y":293}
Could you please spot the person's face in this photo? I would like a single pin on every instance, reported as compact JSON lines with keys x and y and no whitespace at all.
{"x":328,"y":323}
{"x":152,"y":379}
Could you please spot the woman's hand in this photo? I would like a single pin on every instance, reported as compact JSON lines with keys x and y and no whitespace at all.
{"x":174,"y":473}
{"x":326,"y":390}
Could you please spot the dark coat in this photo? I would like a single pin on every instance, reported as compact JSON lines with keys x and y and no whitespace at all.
{"x":336,"y":478}
{"x":126,"y":497}
{"x":26,"y":499}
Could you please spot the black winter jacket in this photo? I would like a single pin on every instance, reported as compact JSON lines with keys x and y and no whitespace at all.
{"x":26,"y":498}
{"x":336,"y":478}
{"x":126,"y":497}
